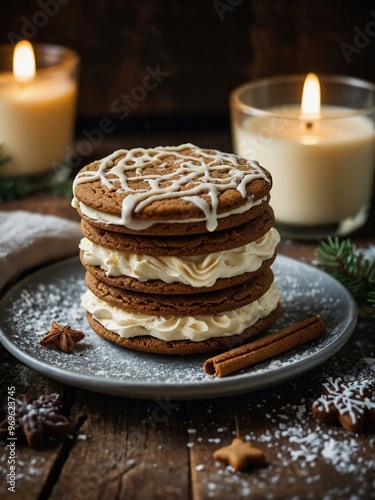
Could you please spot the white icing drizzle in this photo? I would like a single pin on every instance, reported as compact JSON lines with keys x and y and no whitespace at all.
{"x":348,"y":398}
{"x":199,"y":171}
{"x":139,"y":225}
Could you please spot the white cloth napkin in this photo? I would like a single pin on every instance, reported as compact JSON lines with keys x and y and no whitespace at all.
{"x":28,"y":239}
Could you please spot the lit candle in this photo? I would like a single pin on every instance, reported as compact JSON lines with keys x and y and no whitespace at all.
{"x":321,"y":158}
{"x":37,"y":109}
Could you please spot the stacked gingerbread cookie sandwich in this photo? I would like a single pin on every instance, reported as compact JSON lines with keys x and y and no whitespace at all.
{"x":178,"y":244}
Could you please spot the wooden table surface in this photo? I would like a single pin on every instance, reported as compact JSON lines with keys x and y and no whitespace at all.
{"x":125,"y":448}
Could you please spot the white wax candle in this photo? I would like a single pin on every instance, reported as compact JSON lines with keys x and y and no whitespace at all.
{"x":36,"y":123}
{"x":322,"y":174}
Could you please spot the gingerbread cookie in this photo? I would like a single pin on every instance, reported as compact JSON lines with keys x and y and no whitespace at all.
{"x":201,"y":244}
{"x":171,"y":191}
{"x":151,"y":344}
{"x":182,"y":305}
{"x":37,"y":419}
{"x":178,"y":247}
{"x":240,"y":455}
{"x":351,"y":404}
{"x":158,"y":286}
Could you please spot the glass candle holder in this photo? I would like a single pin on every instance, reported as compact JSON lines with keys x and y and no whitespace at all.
{"x":323,"y":167}
{"x":37,"y":116}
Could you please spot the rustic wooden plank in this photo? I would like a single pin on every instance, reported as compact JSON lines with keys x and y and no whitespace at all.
{"x":304,"y":456}
{"x":261,"y":417}
{"x":161,"y":465}
{"x":203,"y":51}
{"x":303,"y":47}
{"x":95,"y":462}
{"x":43,"y":203}
{"x":140,"y":45}
{"x":210,"y":425}
{"x":126,"y":449}
{"x":33,"y":466}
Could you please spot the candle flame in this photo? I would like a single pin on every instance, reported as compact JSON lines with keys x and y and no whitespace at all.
{"x":24,"y":62}
{"x":310,"y":106}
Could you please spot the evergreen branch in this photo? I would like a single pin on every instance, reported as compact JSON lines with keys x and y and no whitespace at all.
{"x":348,"y":265}
{"x":11,"y":187}
{"x":64,"y":189}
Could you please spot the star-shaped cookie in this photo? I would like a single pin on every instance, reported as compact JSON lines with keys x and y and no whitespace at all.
{"x":240,"y":455}
{"x":349,"y":403}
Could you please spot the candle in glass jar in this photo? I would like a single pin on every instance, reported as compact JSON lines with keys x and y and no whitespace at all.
{"x":321,"y":159}
{"x":37,"y":109}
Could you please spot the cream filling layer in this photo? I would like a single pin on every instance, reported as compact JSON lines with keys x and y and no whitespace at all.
{"x":197,"y":271}
{"x":195,"y":328}
{"x":139,"y":225}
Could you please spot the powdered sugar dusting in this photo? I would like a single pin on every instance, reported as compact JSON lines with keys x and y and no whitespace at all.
{"x":302,"y":454}
{"x":53,"y":294}
{"x":309,"y":443}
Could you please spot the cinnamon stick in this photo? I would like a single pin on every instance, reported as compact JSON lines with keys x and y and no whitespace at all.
{"x":267,"y":347}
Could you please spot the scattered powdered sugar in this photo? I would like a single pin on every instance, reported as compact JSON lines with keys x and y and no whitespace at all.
{"x":28,"y":316}
{"x":309,"y":442}
{"x":53,"y":294}
{"x":301,"y":452}
{"x":368,"y":252}
{"x":26,"y":470}
{"x":289,"y":434}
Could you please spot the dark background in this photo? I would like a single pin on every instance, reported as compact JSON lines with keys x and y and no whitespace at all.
{"x":203,"y":48}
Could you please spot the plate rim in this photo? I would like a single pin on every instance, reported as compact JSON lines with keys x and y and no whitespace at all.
{"x":212,"y":387}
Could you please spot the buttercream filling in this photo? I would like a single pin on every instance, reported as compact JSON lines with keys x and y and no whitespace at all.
{"x":196,"y":271}
{"x":196,"y":328}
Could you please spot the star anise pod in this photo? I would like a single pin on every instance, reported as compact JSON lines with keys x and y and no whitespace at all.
{"x":61,"y":337}
{"x":36,"y":419}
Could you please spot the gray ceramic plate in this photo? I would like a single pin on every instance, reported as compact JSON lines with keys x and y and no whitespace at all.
{"x":53,"y":293}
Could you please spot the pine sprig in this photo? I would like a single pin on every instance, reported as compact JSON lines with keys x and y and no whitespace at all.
{"x":10,"y":187}
{"x":348,"y":265}
{"x":64,"y":189}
